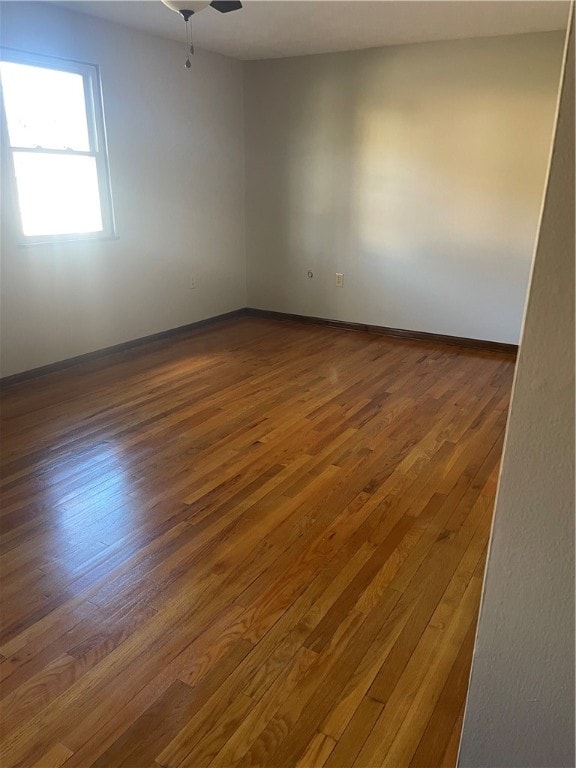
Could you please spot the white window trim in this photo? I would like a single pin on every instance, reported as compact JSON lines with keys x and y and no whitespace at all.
{"x":97,"y":142}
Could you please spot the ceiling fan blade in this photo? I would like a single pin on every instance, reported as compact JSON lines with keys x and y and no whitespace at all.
{"x":225,"y":6}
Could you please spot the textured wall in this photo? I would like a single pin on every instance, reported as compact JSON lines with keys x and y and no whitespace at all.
{"x":520,"y":709}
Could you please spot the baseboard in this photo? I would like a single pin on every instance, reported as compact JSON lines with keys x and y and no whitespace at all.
{"x":397,"y":333}
{"x":70,"y":362}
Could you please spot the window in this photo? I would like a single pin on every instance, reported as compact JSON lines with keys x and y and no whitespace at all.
{"x":54,"y":119}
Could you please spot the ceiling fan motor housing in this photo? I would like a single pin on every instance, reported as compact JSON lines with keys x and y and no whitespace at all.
{"x":186,"y":8}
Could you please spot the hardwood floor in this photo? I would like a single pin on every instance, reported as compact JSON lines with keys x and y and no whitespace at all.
{"x":259,"y":545}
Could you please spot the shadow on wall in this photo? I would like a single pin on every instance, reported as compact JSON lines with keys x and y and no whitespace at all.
{"x":417,"y":171}
{"x":312,"y":171}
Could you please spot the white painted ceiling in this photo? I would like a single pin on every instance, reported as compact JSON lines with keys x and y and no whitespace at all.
{"x":277,"y":28}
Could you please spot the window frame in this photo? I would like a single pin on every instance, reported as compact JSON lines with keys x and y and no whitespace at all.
{"x":98,"y":148}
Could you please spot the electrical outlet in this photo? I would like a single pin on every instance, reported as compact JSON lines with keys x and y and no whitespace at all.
{"x":339,"y":280}
{"x":192,"y":282}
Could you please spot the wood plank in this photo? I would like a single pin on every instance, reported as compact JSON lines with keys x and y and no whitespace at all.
{"x":259,"y":543}
{"x":55,"y":757}
{"x":436,"y":738}
{"x":396,"y":734}
{"x":354,"y":737}
{"x":317,"y":752}
{"x":266,"y":707}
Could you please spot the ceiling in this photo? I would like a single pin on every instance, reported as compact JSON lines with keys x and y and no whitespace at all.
{"x":277,"y":28}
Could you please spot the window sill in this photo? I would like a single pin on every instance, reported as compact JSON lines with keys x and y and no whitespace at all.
{"x":67,"y":241}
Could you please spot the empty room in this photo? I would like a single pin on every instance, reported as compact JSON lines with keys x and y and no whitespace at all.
{"x":287,"y":384}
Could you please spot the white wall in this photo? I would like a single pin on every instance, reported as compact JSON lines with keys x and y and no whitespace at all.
{"x":416,"y":170}
{"x":176,"y":147}
{"x":520,"y":709}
